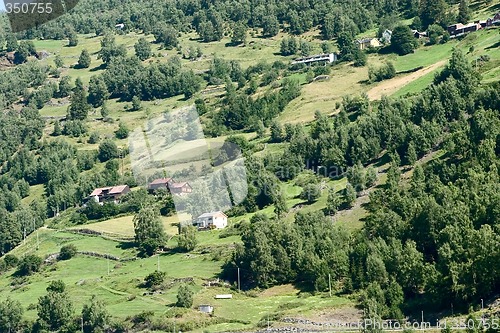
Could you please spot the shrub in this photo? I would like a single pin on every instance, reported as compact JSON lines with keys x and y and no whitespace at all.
{"x":29,"y":264}
{"x":384,"y":72}
{"x":311,"y":193}
{"x":67,"y":252}
{"x":154,"y":279}
{"x":11,"y":260}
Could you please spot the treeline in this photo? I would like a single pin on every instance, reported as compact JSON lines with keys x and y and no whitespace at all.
{"x":428,"y":242}
{"x":213,"y":20}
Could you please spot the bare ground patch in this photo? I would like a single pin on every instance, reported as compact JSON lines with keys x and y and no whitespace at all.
{"x":391,"y":86}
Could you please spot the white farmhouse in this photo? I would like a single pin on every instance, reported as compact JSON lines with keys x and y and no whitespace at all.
{"x":214,"y":220}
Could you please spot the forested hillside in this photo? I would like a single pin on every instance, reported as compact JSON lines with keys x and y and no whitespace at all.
{"x":373,"y":180}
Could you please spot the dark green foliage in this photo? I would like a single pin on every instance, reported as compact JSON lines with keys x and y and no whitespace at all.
{"x":154,"y":279}
{"x":464,"y":13}
{"x":349,"y":196}
{"x":311,"y":193}
{"x":56,"y":286}
{"x":274,"y":253}
{"x":288,"y":46}
{"x":72,"y":38}
{"x":84,"y":60}
{"x":305,"y":48}
{"x":166,"y":35}
{"x":184,"y":297}
{"x":11,"y":43}
{"x":11,"y":315}
{"x":95,"y":317}
{"x":109,"y":49}
{"x":187,"y":239}
{"x":98,"y":92}
{"x":270,"y":26}
{"x":67,"y":252}
{"x":190,"y":82}
{"x":55,"y":308}
{"x":136,"y":104}
{"x":23,"y":51}
{"x":402,"y":40}
{"x":74,"y":128}
{"x":384,"y":72}
{"x":107,"y":150}
{"x":434,"y":32}
{"x":10,"y":260}
{"x":29,"y":264}
{"x":122,"y":132}
{"x":149,"y":232}
{"x":433,"y":11}
{"x":58,"y":61}
{"x":239,"y":34}
{"x":79,"y":107}
{"x":57,"y":128}
{"x":142,"y":49}
{"x":65,"y":87}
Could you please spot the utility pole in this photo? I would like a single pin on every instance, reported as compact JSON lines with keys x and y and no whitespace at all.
{"x":482,"y":308}
{"x":330,"y":284}
{"x":82,"y":324}
{"x":422,"y":323}
{"x":37,"y":241}
{"x":238,"y":279}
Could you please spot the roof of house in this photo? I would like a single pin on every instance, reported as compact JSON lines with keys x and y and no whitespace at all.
{"x":364,"y":40}
{"x":118,"y":189}
{"x":179,"y":185}
{"x":160,"y":181}
{"x":211,"y":214}
{"x":110,"y":190}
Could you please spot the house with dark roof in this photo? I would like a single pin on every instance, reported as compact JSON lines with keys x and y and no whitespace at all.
{"x":160,"y":183}
{"x":171,"y":185}
{"x":459,"y":29}
{"x":180,"y":188}
{"x":108,"y":194}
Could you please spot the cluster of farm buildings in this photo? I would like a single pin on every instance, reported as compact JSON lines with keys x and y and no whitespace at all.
{"x":114,"y":194}
{"x":455,"y":30}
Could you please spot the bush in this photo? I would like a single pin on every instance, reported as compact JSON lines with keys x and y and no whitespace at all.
{"x":384,"y":72}
{"x":29,"y":265}
{"x":74,"y":128}
{"x":107,"y":151}
{"x":67,"y":252}
{"x":11,"y":260}
{"x":311,"y":193}
{"x":154,"y":279}
{"x":94,"y":138}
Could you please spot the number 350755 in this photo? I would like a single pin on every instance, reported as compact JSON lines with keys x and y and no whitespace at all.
{"x":28,"y":8}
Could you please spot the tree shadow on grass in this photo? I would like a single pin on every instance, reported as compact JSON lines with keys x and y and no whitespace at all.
{"x":98,"y":68}
{"x":126,"y":245}
{"x":493,"y":46}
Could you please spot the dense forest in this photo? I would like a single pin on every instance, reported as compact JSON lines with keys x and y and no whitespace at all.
{"x":428,"y":240}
